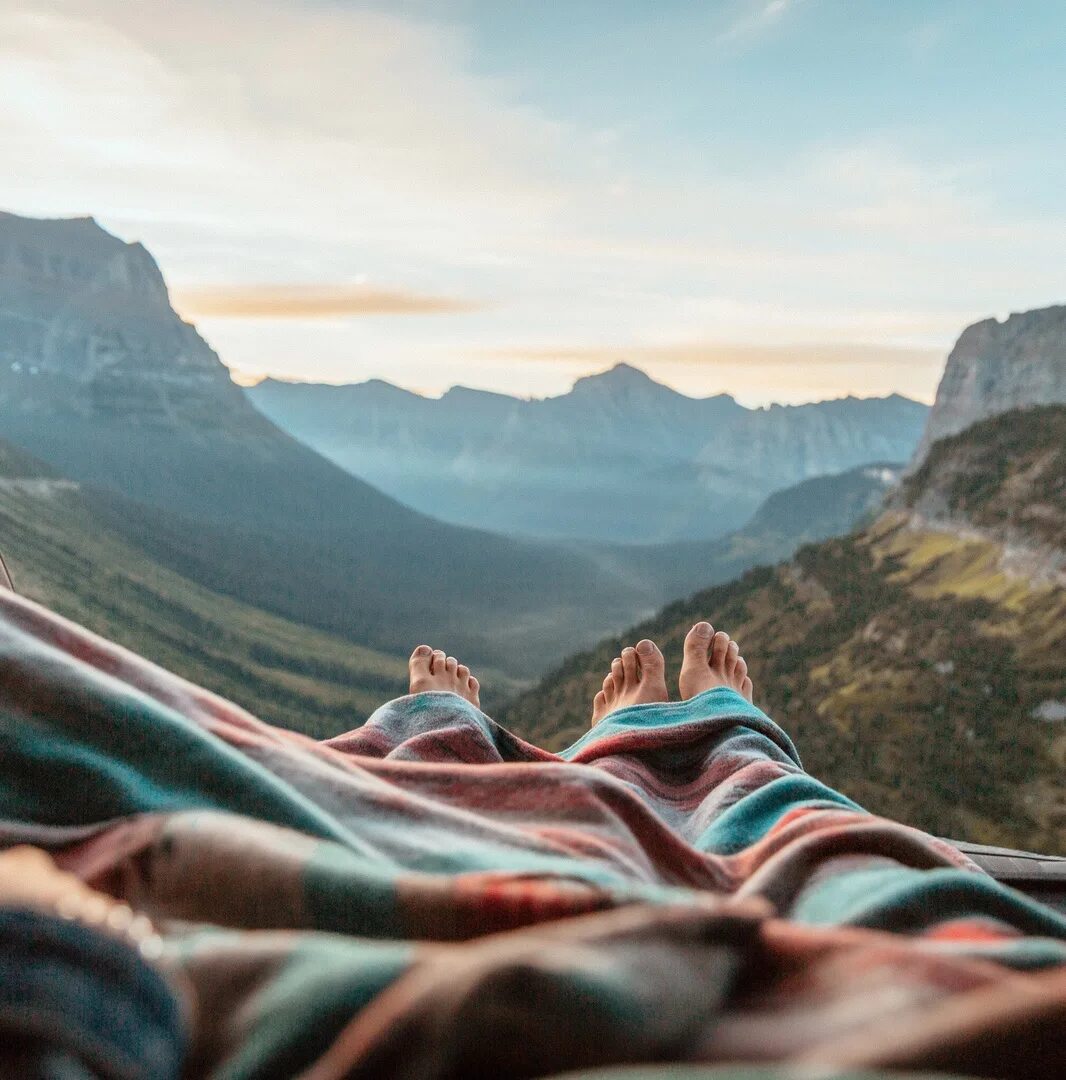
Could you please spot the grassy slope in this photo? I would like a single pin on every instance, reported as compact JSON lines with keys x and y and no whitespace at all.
{"x":280,"y":670}
{"x":905,"y":661}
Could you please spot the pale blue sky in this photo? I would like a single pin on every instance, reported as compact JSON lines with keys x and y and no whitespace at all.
{"x":786,"y":199}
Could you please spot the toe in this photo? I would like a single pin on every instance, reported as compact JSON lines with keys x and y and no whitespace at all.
{"x":741,"y":671}
{"x":437,"y":661}
{"x":629,"y":665}
{"x":617,"y":669}
{"x":419,"y":662}
{"x":451,"y":665}
{"x":747,"y":690}
{"x":473,"y":691}
{"x":462,"y":673}
{"x":696,"y":642}
{"x":732,"y":654}
{"x":608,"y":686}
{"x":652,"y":664}
{"x":718,"y":650}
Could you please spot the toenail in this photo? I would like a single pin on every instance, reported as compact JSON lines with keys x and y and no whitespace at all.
{"x":422,"y":650}
{"x":645,"y":647}
{"x":702,"y":628}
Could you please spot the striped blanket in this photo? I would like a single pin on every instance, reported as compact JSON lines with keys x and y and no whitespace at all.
{"x":430,"y":896}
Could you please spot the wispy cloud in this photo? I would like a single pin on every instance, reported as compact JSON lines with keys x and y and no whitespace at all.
{"x":757,"y":17}
{"x":310,"y":302}
{"x":828,"y":354}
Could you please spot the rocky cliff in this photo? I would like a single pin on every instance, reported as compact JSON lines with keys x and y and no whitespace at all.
{"x":86,"y":327}
{"x":996,"y":366}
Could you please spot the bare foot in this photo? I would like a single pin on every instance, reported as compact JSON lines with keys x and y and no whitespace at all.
{"x":712,"y":659}
{"x":432,"y":670}
{"x":638,"y":677}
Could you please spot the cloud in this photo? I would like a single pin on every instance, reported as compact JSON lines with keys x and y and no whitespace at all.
{"x":295,"y":123}
{"x":827,"y":354}
{"x":310,"y":302}
{"x":757,"y":17}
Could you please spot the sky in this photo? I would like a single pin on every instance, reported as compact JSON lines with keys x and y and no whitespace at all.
{"x":787,"y":200}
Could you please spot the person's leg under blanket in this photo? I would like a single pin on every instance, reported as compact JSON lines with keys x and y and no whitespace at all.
{"x":730,"y":781}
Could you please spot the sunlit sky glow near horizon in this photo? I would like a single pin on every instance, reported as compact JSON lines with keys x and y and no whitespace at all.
{"x":783,"y":199}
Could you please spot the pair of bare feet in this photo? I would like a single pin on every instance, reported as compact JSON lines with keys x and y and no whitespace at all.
{"x":637,"y":677}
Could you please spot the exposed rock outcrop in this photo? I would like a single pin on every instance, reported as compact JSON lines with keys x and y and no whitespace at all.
{"x":86,"y":326}
{"x":997,"y":366}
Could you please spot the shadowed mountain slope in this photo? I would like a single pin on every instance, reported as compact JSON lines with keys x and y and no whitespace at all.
{"x":62,"y":556}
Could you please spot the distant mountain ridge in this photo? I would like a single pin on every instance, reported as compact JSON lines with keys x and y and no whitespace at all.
{"x":554,"y":467}
{"x":809,"y":511}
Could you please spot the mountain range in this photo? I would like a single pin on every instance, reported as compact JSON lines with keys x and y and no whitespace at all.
{"x":918,"y":660}
{"x":101,"y":380}
{"x":554,"y":467}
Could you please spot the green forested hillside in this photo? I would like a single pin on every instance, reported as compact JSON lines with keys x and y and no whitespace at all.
{"x":920,"y":663}
{"x":61,"y":555}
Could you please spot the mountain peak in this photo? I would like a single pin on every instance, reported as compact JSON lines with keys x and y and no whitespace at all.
{"x":86,"y":326}
{"x":621,"y":379}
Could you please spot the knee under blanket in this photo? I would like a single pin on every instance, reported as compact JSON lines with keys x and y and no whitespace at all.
{"x":430,"y":896}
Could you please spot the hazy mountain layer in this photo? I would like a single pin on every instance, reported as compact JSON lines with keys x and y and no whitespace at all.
{"x":561,"y":467}
{"x":811,"y":510}
{"x":919,"y":662}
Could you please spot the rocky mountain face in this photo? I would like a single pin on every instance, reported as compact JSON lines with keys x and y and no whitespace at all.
{"x":553,"y":467}
{"x":919,"y":662}
{"x":962,"y":488}
{"x":996,"y":366}
{"x":86,"y":328}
